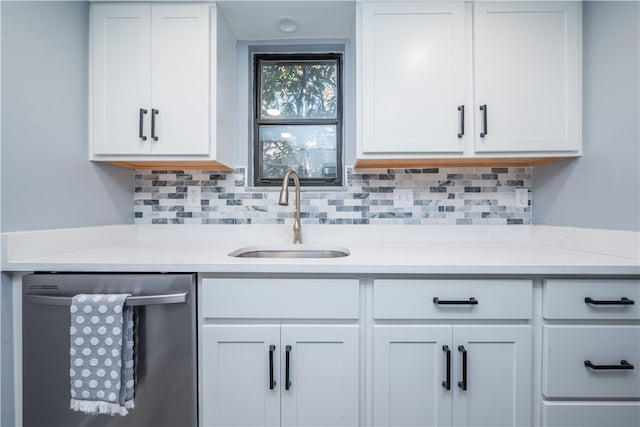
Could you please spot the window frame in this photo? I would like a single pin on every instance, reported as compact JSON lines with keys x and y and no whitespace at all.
{"x":257,"y":59}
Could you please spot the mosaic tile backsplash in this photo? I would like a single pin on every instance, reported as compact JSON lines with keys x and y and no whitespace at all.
{"x":441,"y":196}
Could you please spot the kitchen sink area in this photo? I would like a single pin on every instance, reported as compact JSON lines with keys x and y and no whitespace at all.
{"x":290,"y":252}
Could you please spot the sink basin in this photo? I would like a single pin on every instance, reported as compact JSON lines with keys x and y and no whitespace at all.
{"x":290,"y":252}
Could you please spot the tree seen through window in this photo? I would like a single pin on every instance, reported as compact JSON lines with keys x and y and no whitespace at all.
{"x":298,"y":118}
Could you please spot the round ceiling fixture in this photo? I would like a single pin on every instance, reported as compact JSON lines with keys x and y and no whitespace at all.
{"x":287,"y":24}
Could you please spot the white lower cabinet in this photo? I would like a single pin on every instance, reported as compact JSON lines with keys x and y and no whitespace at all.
{"x":452,"y":353}
{"x":408,"y":370}
{"x":439,"y":352}
{"x":271,"y":375}
{"x":264,"y":361}
{"x":441,"y":375}
{"x":498,"y":385}
{"x":591,"y":353}
{"x":235,"y":375}
{"x":323,"y":387}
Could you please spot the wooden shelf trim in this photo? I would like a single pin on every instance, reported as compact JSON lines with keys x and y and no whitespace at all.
{"x":170,"y":165}
{"x":454,"y":163}
{"x":359,"y":164}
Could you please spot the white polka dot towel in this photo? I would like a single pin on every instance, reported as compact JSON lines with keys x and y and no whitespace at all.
{"x":101,"y":350}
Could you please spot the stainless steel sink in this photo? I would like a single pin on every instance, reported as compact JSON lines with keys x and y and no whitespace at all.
{"x":290,"y":252}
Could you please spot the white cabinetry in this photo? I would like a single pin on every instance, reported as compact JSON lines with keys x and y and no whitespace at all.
{"x":527,"y":76}
{"x":121,"y":52}
{"x":465,"y":82}
{"x":412,"y":70}
{"x":235,"y":376}
{"x":460,"y":374}
{"x":591,"y":353}
{"x":153,"y":78}
{"x":298,"y":368}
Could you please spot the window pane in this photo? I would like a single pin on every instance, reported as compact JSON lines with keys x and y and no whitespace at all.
{"x":309,"y":150}
{"x":298,"y":90}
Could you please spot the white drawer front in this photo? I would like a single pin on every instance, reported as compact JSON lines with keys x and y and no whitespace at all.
{"x":414,"y":299}
{"x":280,"y":298}
{"x":591,"y":414}
{"x":566,"y":348}
{"x":610,"y":299}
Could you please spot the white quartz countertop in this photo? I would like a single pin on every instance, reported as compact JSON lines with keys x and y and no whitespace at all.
{"x":374,"y":250}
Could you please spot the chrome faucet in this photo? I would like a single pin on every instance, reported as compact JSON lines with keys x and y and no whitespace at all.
{"x":283,"y":200}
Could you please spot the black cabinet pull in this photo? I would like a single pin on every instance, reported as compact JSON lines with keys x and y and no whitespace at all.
{"x":470,"y":301}
{"x":141,"y":124}
{"x":461,"y":121}
{"x":287,"y":383}
{"x":485,"y":130}
{"x":272,"y":382}
{"x":447,"y":382}
{"x":463,"y":384}
{"x":623,"y":365}
{"x":621,"y":301}
{"x":154,"y":113}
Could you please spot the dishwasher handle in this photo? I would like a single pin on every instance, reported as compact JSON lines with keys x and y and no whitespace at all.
{"x":130,"y":301}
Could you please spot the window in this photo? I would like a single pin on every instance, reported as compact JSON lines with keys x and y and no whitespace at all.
{"x":297,"y":118}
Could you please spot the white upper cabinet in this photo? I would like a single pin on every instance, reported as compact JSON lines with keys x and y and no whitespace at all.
{"x":154,"y":69}
{"x":412,"y":73}
{"x":527,"y":74}
{"x":180,"y":78}
{"x":121,"y":48}
{"x":468,"y":80}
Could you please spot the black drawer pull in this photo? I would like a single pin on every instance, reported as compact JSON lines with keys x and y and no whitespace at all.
{"x":287,"y":383}
{"x":272,"y":382}
{"x":470,"y":301}
{"x":623,"y":365}
{"x":447,"y":382}
{"x":621,"y":301}
{"x":463,"y":384}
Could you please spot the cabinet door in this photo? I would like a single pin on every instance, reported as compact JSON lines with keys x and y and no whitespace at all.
{"x":499,"y":376}
{"x":412,"y":70}
{"x":121,"y":47}
{"x":180,"y":78}
{"x":235,"y":378}
{"x":409,"y":368}
{"x":323,"y":375}
{"x":527,"y":73}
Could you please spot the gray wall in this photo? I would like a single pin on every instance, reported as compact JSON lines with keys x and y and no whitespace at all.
{"x":47,"y":179}
{"x":602,"y":188}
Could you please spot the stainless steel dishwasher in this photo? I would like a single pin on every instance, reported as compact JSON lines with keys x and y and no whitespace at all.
{"x":164,"y":348}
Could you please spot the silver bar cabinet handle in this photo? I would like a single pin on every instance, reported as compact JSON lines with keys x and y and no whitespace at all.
{"x":130,"y":301}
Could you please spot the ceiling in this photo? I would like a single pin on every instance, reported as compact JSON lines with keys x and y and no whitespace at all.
{"x":254,"y":20}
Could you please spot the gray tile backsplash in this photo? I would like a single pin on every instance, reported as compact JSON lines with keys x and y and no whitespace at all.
{"x":440,"y":196}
